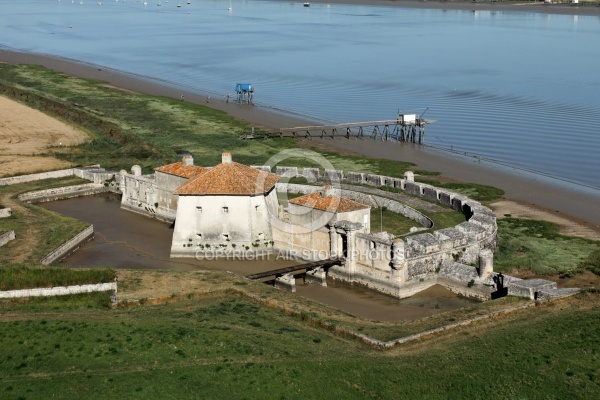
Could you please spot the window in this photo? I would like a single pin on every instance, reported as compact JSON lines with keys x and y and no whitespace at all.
{"x":199,"y":210}
{"x":257,"y":208}
{"x":225,"y":210}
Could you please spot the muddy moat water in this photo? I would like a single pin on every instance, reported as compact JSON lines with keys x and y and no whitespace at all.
{"x":124,"y":240}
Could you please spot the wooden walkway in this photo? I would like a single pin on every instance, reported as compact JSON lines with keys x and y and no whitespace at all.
{"x":294,"y":268}
{"x":387,"y":130}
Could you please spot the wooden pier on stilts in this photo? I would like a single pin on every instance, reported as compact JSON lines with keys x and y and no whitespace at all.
{"x":405,"y":128}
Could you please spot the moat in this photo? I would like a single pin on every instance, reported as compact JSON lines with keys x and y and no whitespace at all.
{"x":124,"y":240}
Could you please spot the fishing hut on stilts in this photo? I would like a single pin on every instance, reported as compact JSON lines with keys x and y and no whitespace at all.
{"x":405,"y":128}
{"x":245,"y":93}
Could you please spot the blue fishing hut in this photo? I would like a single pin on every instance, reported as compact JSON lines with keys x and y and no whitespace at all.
{"x":245,"y":92}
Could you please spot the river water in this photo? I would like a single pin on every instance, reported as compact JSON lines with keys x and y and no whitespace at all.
{"x":125,"y":240}
{"x":519,"y":87}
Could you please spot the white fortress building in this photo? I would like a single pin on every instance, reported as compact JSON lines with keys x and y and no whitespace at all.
{"x":227,"y":206}
{"x":233,"y":209}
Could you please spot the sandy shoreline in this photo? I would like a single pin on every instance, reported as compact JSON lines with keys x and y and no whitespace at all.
{"x":578,"y":204}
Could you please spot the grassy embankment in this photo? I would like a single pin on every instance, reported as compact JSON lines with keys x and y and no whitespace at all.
{"x":234,"y":347}
{"x":38,"y":231}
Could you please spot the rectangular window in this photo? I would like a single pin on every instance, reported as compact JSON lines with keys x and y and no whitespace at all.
{"x":199,"y":210}
{"x":257,"y":208}
{"x":225,"y":210}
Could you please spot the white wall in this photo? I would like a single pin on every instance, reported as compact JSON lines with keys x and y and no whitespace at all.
{"x":202,"y":220}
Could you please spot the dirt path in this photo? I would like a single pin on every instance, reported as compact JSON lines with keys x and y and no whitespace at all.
{"x":26,"y":134}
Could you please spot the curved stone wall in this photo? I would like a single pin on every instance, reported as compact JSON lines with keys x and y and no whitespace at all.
{"x":364,"y":198}
{"x":404,"y":267}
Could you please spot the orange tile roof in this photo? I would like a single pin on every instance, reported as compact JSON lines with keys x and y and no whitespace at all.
{"x":328,"y":203}
{"x":178,"y":169}
{"x":229,"y":178}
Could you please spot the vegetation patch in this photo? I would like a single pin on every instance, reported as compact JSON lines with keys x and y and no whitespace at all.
{"x":537,"y":245}
{"x":391,"y":222}
{"x":38,"y":231}
{"x":28,"y":277}
{"x":129,"y":128}
{"x":233,"y":345}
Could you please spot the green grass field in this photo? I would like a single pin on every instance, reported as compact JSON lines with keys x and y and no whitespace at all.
{"x":232,"y":347}
{"x":536,"y":245}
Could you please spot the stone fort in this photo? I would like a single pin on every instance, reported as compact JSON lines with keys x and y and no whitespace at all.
{"x":235,"y":209}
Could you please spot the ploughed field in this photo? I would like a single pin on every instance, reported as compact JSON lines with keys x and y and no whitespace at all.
{"x":26,"y":135}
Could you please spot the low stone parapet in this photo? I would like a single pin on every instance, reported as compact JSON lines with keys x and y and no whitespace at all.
{"x":7,"y":237}
{"x":264,"y":168}
{"x":288,"y":172}
{"x":550,"y":294}
{"x":61,"y":291}
{"x":15,"y":180}
{"x":530,"y":288}
{"x":70,"y":246}
{"x":65,"y":192}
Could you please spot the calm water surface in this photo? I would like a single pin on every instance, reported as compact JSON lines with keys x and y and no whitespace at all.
{"x":127,"y":240}
{"x":519,"y":87}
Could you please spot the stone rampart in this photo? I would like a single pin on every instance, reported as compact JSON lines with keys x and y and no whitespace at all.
{"x":70,"y":246}
{"x":7,"y":237}
{"x":15,"y":180}
{"x":264,"y":168}
{"x":288,"y":172}
{"x":60,"y":291}
{"x":92,"y":173}
{"x":66,"y":192}
{"x":424,"y":254}
{"x":368,"y":199}
{"x":5,"y":212}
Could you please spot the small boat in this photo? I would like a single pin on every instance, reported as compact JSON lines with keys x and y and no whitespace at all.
{"x":307,"y":4}
{"x":178,"y":5}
